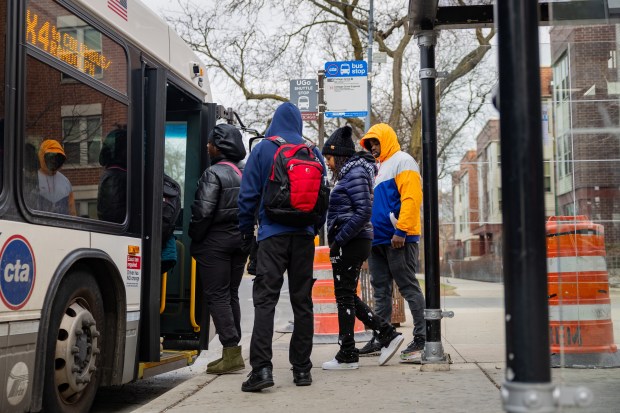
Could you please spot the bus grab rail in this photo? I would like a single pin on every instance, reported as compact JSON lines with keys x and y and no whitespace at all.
{"x":164,"y":283}
{"x":192,"y":298}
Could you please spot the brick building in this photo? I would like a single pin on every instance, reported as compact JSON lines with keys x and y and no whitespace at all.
{"x":587,"y":93}
{"x":476,"y":251}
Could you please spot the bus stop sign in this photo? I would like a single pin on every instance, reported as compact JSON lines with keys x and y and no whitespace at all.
{"x":346,"y":88}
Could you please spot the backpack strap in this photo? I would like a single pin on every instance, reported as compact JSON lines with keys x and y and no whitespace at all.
{"x":232,"y":165}
{"x":278,"y":140}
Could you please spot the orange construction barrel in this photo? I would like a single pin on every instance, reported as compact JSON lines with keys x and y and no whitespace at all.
{"x":324,"y":301}
{"x":580,"y":326}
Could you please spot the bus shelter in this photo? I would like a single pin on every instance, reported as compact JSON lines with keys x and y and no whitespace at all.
{"x":556,"y":147}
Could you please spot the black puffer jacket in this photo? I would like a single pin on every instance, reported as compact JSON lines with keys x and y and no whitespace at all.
{"x":215,"y":204}
{"x":350,"y":202}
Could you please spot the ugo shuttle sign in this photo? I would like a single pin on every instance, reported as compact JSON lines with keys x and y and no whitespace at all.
{"x":303,"y":94}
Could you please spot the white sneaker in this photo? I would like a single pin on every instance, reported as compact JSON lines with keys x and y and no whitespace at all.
{"x":336,"y":365}
{"x":388,"y":351}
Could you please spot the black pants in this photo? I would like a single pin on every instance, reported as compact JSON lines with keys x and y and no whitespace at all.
{"x":293,"y":253}
{"x":221,"y":272}
{"x":346,"y":264}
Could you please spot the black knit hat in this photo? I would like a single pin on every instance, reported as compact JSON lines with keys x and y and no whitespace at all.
{"x":340,"y":143}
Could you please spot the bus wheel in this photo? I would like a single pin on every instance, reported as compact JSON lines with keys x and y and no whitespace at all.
{"x":74,"y":343}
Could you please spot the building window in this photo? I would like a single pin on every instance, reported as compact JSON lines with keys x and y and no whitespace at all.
{"x":499,"y":199}
{"x":76,"y":31}
{"x":561,"y":94}
{"x":82,"y":139}
{"x":547,"y":173}
{"x":565,"y":156}
{"x":86,"y":208}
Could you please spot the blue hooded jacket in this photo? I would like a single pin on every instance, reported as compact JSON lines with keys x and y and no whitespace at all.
{"x":287,"y":124}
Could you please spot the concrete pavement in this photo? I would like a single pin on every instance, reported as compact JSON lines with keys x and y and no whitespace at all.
{"x":474,"y":338}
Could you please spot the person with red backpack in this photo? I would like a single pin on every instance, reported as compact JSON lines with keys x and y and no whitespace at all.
{"x":285,"y":180}
{"x":216,"y":242}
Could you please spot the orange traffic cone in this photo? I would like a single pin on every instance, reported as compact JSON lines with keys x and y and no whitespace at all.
{"x":324,"y":300}
{"x":580,"y":326}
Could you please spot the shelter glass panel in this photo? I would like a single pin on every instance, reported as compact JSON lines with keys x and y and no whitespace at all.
{"x":583,"y":234}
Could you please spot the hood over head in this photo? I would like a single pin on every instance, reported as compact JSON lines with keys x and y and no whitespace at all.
{"x":387,"y":138}
{"x":114,"y":149}
{"x":50,"y":146}
{"x":229,"y":141}
{"x":286,"y":123}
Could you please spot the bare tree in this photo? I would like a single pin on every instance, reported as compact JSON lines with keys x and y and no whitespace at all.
{"x":256,"y":46}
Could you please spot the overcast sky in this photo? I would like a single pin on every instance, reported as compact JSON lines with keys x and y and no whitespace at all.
{"x":159,"y":5}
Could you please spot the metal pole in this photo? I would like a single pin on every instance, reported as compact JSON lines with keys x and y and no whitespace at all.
{"x":321,"y":108}
{"x":321,"y":105}
{"x":527,"y":386}
{"x":433,"y":350}
{"x":371,"y":24}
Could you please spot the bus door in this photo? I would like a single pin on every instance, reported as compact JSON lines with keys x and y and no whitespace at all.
{"x":183,"y":314}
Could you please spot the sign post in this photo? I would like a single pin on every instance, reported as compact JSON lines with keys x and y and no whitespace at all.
{"x":303,"y":94}
{"x":346,"y":87}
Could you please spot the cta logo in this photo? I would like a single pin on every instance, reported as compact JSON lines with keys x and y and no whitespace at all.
{"x":17,"y":272}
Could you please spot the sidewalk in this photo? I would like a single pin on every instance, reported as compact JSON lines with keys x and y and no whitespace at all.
{"x":471,"y":338}
{"x":474,"y":339}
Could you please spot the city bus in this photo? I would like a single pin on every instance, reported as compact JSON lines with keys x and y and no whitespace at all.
{"x":94,"y":90}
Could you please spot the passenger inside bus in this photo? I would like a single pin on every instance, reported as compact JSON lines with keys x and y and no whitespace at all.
{"x":31,"y":176}
{"x":55,"y":191}
{"x":112,"y":193}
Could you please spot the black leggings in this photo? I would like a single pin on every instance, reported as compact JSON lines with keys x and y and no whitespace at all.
{"x":346,"y":264}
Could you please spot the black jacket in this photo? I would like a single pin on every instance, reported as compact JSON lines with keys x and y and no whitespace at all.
{"x":215,"y":204}
{"x":112,"y":196}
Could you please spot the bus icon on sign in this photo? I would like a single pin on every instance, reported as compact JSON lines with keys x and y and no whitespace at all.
{"x":345,"y":69}
{"x":303,"y":103}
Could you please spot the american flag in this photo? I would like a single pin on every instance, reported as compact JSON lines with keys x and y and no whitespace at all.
{"x":119,"y":7}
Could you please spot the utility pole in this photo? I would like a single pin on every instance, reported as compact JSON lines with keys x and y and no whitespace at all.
{"x":371,"y":24}
{"x":321,"y":105}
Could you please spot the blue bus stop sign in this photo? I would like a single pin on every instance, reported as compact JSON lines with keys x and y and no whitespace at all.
{"x":346,"y":86}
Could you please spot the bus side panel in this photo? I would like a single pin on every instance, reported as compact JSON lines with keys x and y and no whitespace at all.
{"x":17,"y":349}
{"x":29,"y":256}
{"x":130,"y":268}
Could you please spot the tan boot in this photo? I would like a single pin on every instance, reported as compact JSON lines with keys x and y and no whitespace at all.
{"x":232,"y":360}
{"x":214,"y":362}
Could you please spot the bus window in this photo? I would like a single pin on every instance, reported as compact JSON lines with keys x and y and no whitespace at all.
{"x":175,"y":152}
{"x":74,"y":129}
{"x":112,"y":192}
{"x":70,"y":120}
{"x":54,"y":30}
{"x":2,"y":65}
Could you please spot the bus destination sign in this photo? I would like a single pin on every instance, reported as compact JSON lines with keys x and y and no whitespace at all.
{"x":62,"y":45}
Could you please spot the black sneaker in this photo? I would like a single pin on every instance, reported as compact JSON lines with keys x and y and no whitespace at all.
{"x":258,"y":380}
{"x":372,"y":348}
{"x":302,"y":378}
{"x":416,"y":345}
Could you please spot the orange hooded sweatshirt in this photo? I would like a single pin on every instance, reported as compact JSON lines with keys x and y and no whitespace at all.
{"x":55,"y":191}
{"x":398,"y":189}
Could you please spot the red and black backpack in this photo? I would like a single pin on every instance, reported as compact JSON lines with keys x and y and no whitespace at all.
{"x":297,"y":192}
